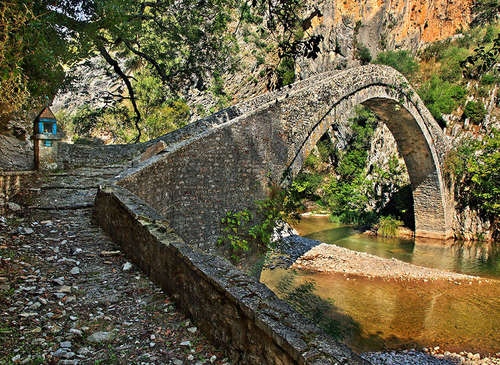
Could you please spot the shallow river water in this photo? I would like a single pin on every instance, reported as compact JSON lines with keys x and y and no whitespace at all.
{"x":389,"y":314}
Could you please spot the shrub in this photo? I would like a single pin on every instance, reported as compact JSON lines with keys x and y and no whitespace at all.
{"x":286,"y":71}
{"x":489,"y":35}
{"x":403,"y":61}
{"x":475,"y":166}
{"x":451,"y":70}
{"x":489,"y":79}
{"x":474,"y":110}
{"x":247,"y":229}
{"x":363,"y":54}
{"x":325,"y":149}
{"x":441,"y":97}
{"x":388,"y":226}
{"x":435,"y":50}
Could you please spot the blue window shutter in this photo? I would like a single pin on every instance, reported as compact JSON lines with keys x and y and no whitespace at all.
{"x":54,"y":128}
{"x":40,"y":127}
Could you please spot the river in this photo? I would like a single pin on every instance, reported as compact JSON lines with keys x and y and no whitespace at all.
{"x":389,"y":314}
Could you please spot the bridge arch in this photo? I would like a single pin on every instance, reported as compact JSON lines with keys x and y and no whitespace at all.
{"x":227,"y":164}
{"x":418,"y":137}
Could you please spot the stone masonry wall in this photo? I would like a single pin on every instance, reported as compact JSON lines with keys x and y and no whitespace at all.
{"x":229,"y":166}
{"x":233,"y":309}
{"x":75,"y":155}
{"x":12,"y":182}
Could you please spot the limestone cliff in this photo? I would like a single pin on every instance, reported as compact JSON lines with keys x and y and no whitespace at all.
{"x":380,"y":25}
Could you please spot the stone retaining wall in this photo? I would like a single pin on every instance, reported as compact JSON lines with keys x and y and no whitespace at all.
{"x":233,"y":309}
{"x":11,"y":182}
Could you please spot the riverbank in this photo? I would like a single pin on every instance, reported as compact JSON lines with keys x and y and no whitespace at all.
{"x":331,"y":258}
{"x":370,"y":276}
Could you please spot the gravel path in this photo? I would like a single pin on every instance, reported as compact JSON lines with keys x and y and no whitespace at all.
{"x":69,"y":296}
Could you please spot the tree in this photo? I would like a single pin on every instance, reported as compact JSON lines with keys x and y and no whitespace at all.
{"x":282,"y":22}
{"x":482,"y":61}
{"x":182,"y":43}
{"x":32,"y":51}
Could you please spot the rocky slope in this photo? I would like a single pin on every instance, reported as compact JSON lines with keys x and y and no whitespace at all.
{"x":379,"y":25}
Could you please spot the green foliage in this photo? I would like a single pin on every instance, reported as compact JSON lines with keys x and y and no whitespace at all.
{"x":489,"y":79}
{"x":435,"y":50}
{"x":441,"y":97}
{"x":325,"y":149}
{"x":303,"y":299}
{"x":482,"y":60}
{"x":304,"y":186}
{"x":348,"y":200}
{"x":169,"y":116}
{"x":485,"y":11}
{"x":237,"y":231}
{"x":347,"y":194}
{"x":247,"y":229}
{"x":286,"y":72}
{"x":403,"y":61}
{"x":489,"y":35}
{"x":363,"y":54}
{"x":451,"y":69}
{"x":180,"y":44}
{"x":32,"y":51}
{"x":475,"y":166}
{"x":388,"y":226}
{"x":475,"y":111}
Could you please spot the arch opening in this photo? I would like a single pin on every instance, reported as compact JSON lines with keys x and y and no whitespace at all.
{"x":414,"y":144}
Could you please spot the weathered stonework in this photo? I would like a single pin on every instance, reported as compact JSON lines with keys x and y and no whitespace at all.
{"x":228,"y":166}
{"x":13,"y":182}
{"x":233,"y":309}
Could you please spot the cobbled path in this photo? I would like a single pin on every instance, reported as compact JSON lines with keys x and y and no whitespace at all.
{"x":69,"y":296}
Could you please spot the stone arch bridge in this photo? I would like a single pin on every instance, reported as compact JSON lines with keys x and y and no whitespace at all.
{"x":224,"y":162}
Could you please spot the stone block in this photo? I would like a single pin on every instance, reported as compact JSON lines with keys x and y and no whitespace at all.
{"x":153,"y":150}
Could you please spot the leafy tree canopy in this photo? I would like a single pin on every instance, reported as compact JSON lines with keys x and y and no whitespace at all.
{"x":181,"y":43}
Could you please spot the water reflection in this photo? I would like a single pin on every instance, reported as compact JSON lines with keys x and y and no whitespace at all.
{"x":394,"y":315}
{"x":476,"y":258}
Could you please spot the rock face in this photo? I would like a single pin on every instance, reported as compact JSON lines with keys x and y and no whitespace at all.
{"x":16,"y":154}
{"x":379,"y":25}
{"x":89,"y":83}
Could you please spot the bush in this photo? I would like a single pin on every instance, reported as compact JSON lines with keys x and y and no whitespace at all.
{"x":388,"y":226}
{"x":403,"y":61}
{"x":489,"y":79}
{"x":245,"y":229}
{"x":363,"y":54}
{"x":286,"y":72}
{"x":441,"y":97}
{"x":451,"y":70}
{"x":435,"y":50}
{"x":474,"y":110}
{"x":475,"y":166}
{"x":304,"y":186}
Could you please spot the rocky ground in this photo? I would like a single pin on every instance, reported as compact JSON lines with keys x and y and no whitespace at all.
{"x":68,"y":295}
{"x":428,"y":357}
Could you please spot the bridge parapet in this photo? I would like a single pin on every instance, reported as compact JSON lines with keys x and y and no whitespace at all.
{"x":228,"y":166}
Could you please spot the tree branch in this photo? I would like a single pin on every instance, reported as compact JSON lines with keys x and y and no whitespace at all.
{"x":116,"y":67}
